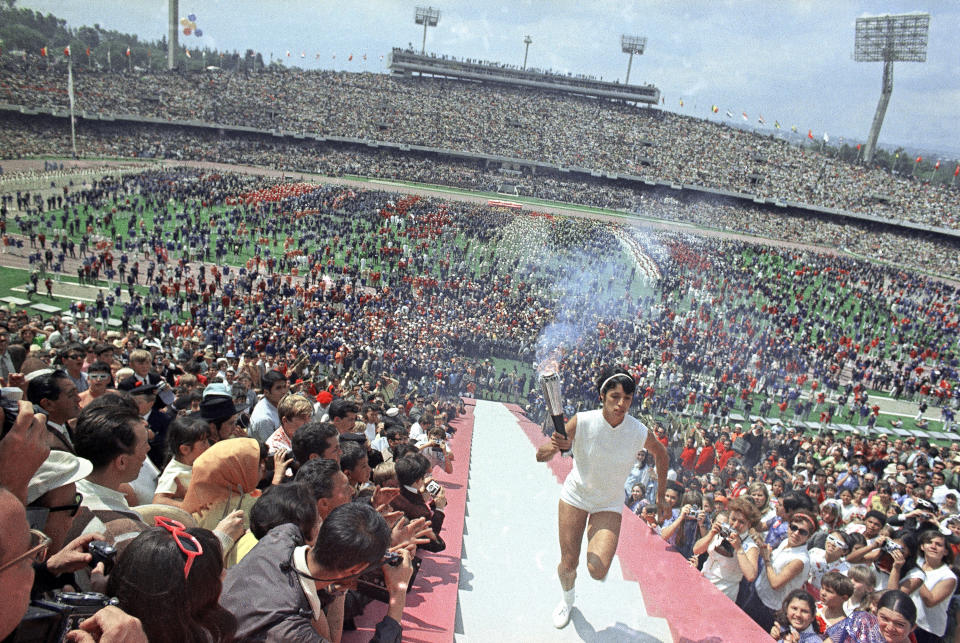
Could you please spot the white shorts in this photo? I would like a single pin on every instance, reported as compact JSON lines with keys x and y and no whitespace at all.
{"x":573,"y":494}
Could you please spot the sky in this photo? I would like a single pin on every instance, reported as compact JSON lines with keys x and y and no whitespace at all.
{"x":788,"y":60}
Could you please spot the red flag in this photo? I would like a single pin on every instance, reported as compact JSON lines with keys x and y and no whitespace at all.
{"x":858,"y":147}
{"x":88,"y":52}
{"x":937,"y":166}
{"x":919,"y":158}
{"x":128,"y":52}
{"x":956,"y":171}
{"x":66,"y":51}
{"x":810,"y":134}
{"x":350,"y":57}
{"x":43,"y":51}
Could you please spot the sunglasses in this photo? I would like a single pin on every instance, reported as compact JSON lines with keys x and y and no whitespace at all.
{"x":72,"y":508}
{"x":74,"y":356}
{"x":37,"y":552}
{"x":189,"y":545}
{"x":800,"y":530}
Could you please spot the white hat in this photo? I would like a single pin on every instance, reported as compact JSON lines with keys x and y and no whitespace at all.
{"x":58,"y":470}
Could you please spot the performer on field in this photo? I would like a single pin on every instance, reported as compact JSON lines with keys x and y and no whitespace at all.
{"x":604,"y":443}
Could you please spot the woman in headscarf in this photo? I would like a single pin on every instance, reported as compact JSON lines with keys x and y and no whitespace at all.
{"x":224,"y":483}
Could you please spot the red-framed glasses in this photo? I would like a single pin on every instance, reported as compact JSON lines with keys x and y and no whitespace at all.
{"x":189,"y":545}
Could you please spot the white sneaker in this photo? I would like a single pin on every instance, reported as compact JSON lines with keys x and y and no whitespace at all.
{"x":561,"y":615}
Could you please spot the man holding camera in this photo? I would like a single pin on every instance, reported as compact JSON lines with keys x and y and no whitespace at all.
{"x":286,"y":602}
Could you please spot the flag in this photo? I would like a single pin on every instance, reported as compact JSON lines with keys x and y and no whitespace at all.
{"x":937,"y":166}
{"x":919,"y":158}
{"x":826,"y":138}
{"x":745,"y":117}
{"x":715,"y":109}
{"x":88,"y":52}
{"x":729,"y":114}
{"x":128,"y":52}
{"x":66,"y":51}
{"x":43,"y":52}
{"x":776,"y":124}
{"x":793,"y":128}
{"x":956,"y":171}
{"x":350,"y":57}
{"x":288,"y":53}
{"x":188,"y":54}
{"x":303,"y":54}
{"x":858,"y":147}
{"x":760,"y":120}
{"x":681,"y":102}
{"x":810,"y":134}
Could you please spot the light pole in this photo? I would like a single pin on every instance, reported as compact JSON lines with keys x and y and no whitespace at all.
{"x":889,"y":38}
{"x":428,"y":17}
{"x":526,"y":51}
{"x":632,"y":45}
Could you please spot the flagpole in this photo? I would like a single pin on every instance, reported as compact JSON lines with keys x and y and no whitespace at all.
{"x":73,"y":131}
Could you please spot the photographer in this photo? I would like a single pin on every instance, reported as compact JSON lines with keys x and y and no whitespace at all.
{"x":415,"y":499}
{"x":732,"y":554}
{"x":286,"y":601}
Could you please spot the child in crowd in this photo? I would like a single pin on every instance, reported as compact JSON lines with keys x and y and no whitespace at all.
{"x":835,"y":590}
{"x":187,"y":438}
{"x":864,"y":579}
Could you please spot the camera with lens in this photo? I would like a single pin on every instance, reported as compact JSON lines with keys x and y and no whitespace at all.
{"x":694,"y":511}
{"x":10,"y":403}
{"x":889,"y":546}
{"x":102,"y":552}
{"x":725,"y":530}
{"x":50,"y":620}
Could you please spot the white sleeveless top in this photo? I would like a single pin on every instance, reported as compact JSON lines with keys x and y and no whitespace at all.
{"x":603,"y":456}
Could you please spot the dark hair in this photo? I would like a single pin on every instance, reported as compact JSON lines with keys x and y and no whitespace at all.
{"x":927,"y":535}
{"x":401,"y":451}
{"x":281,"y":504}
{"x":899,"y":602}
{"x":46,"y":386}
{"x":353,"y":534}
{"x":99,"y":367}
{"x":411,"y":468}
{"x":838,"y":582}
{"x":794,"y":500}
{"x":339,"y":408}
{"x":270,"y":378}
{"x":781,"y":616}
{"x":318,"y":475}
{"x":150,"y":570}
{"x":352,"y":454}
{"x":105,"y":428}
{"x":621,"y":376}
{"x":312,"y":437}
{"x":873,"y":513}
{"x":68,"y":348}
{"x":185,"y":431}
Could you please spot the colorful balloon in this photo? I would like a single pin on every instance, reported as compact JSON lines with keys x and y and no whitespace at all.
{"x":192,"y":17}
{"x":198,"y":33}
{"x":184,"y":22}
{"x":187,"y":31}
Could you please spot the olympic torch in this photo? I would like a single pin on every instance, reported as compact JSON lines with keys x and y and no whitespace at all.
{"x":550,"y":382}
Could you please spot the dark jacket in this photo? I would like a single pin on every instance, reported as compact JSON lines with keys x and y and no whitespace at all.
{"x":413,"y":506}
{"x":263,"y":592}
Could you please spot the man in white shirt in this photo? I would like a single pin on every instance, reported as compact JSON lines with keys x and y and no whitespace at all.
{"x":110,"y":434}
{"x":265,"y":419}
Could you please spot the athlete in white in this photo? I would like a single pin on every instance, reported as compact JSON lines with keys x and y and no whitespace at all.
{"x":604,"y":444}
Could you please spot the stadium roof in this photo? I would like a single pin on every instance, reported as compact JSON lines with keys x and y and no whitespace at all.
{"x":403,"y":62}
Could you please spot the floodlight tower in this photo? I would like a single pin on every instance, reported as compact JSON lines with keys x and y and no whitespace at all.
{"x":632,"y":45}
{"x":428,"y":17}
{"x":173,"y":28}
{"x":889,"y":38}
{"x":526,"y":51}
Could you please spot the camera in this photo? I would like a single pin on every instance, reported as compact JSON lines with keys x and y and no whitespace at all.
{"x":725,"y":530}
{"x":889,"y":546}
{"x":50,"y":620}
{"x":372,"y":583}
{"x":433,"y":488}
{"x":10,"y":403}
{"x":392,"y":558}
{"x":102,"y":552}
